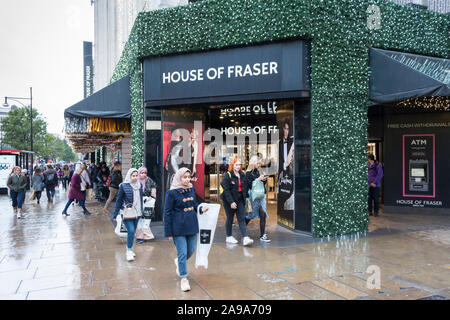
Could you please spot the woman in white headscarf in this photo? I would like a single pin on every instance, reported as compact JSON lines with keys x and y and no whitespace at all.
{"x":130,"y":192}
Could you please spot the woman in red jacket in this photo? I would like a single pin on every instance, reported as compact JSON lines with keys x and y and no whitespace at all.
{"x":75,"y":192}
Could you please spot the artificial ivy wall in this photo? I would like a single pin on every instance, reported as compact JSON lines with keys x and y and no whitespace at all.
{"x":341,"y":33}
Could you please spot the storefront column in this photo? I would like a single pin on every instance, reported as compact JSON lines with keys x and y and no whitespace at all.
{"x":126,"y":155}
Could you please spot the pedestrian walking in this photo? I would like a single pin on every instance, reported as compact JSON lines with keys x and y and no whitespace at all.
{"x":17,"y":184}
{"x":85,"y":179}
{"x":234,"y":195}
{"x":258,"y":202}
{"x":75,"y":192}
{"x":59,"y":173}
{"x":180,"y":221}
{"x":130,"y":193}
{"x":50,"y":180}
{"x":94,"y":174}
{"x":102,"y":179}
{"x":148,"y":185}
{"x":116,"y":180}
{"x":38,"y":184}
{"x":375,"y":175}
{"x":66,"y":175}
{"x":143,"y":231}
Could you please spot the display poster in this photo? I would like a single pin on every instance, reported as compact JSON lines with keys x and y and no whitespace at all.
{"x":286,"y":200}
{"x":174,"y":158}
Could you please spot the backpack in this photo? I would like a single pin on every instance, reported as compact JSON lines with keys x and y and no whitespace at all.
{"x":50,"y":178}
{"x":220,"y":185}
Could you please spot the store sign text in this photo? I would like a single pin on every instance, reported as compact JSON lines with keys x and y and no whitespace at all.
{"x":420,"y":203}
{"x":234,"y":71}
{"x":257,"y":109}
{"x":248,"y":130}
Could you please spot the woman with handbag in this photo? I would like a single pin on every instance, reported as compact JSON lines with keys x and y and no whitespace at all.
{"x":130,"y":199}
{"x":37,"y":182}
{"x":180,"y":221}
{"x":75,"y":192}
{"x":85,"y":179}
{"x":148,"y":185}
{"x":234,"y":197}
{"x":256,"y":184}
{"x":17,"y":184}
{"x":143,"y":231}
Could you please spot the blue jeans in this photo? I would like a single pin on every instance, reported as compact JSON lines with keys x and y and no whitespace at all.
{"x":185,"y":249}
{"x":131,"y":230}
{"x":17,"y":199}
{"x":50,"y":191}
{"x":72,"y":200}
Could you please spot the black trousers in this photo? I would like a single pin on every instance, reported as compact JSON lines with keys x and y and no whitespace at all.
{"x":240,"y":215}
{"x":374,"y":193}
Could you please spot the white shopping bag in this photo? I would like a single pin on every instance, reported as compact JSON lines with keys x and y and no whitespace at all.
{"x":143,"y":231}
{"x":207,"y":225}
{"x":120,"y":229}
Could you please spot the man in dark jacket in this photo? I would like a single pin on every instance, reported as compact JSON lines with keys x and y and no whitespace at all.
{"x":50,"y":180}
{"x":116,"y":180}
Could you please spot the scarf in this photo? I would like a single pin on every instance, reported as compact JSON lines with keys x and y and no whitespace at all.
{"x":143,"y":181}
{"x":136,"y":189}
{"x":176,"y":182}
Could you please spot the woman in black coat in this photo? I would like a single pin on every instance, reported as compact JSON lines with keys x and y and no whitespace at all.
{"x":234,"y":195}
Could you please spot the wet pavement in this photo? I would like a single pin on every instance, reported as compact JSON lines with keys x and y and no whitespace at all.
{"x":48,"y":256}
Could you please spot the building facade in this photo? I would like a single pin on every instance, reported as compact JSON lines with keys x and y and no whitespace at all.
{"x":113,"y":21}
{"x":303,"y":77}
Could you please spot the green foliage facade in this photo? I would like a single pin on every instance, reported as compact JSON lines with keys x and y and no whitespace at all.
{"x":341,"y":33}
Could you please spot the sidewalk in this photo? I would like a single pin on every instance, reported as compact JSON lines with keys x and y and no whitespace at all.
{"x":48,"y":256}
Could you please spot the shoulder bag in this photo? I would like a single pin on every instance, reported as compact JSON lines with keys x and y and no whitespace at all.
{"x":129,"y":212}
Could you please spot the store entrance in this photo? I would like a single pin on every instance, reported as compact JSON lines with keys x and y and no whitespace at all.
{"x":249,"y":130}
{"x":215,"y":134}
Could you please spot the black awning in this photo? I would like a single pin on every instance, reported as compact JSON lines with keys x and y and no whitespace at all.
{"x":112,"y":101}
{"x":396,"y":76}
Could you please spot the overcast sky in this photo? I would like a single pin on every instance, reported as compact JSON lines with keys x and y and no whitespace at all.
{"x":41,"y":46}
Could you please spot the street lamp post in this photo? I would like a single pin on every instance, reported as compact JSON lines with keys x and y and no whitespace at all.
{"x":31,"y":112}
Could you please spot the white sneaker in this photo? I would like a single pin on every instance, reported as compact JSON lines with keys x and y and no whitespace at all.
{"x":134,"y":254}
{"x":130,"y":256}
{"x":231,"y":240}
{"x":176,"y":263}
{"x":19,"y":215}
{"x":185,"y":285}
{"x":247,"y":241}
{"x":264,"y":238}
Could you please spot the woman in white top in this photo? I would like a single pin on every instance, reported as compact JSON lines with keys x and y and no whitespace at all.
{"x":85,"y":179}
